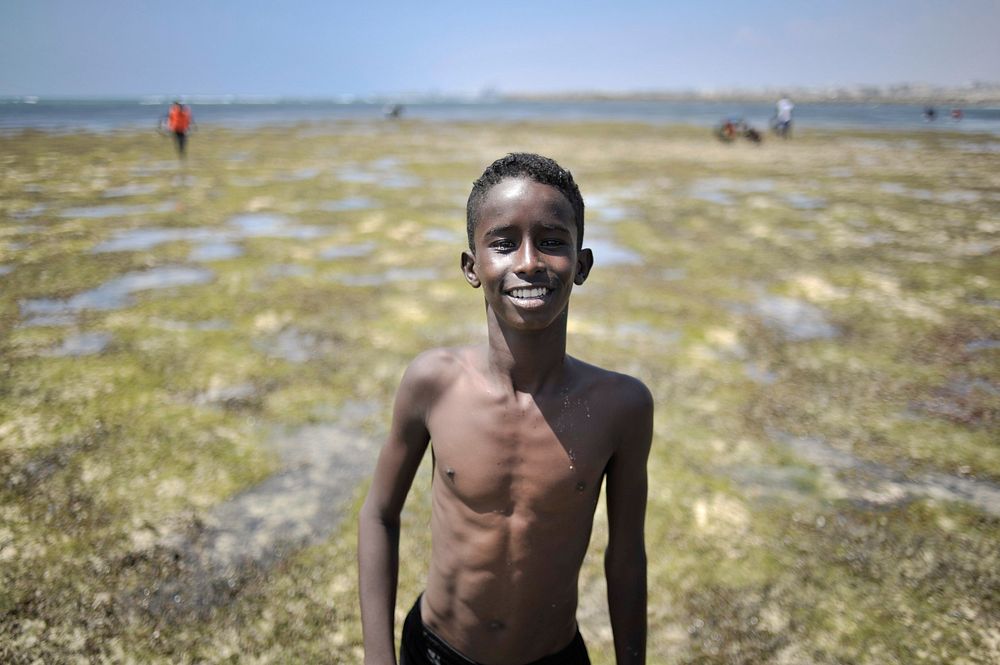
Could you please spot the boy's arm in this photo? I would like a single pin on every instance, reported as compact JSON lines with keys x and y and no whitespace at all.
{"x":378,"y":528}
{"x":625,"y":558}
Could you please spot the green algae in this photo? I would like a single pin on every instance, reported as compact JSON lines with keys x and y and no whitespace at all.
{"x":756,"y":555}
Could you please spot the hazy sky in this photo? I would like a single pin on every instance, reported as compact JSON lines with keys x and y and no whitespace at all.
{"x":316,"y":48}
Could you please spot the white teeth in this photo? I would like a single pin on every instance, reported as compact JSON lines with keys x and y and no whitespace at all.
{"x":536,"y":292}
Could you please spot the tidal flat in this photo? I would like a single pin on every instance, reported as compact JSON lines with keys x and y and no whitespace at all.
{"x":198,"y":359}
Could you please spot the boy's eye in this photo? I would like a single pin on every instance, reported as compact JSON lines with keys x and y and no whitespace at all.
{"x":502,"y":245}
{"x":553,"y":242}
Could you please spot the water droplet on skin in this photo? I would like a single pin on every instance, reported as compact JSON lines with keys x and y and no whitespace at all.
{"x":580,"y":486}
{"x":570,"y":467}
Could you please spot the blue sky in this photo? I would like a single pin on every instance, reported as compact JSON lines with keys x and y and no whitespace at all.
{"x":313,"y":48}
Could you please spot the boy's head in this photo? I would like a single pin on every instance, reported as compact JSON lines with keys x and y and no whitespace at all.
{"x":523,"y":165}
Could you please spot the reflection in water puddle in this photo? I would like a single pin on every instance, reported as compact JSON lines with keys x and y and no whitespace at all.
{"x":389,"y":276}
{"x":948,"y":197}
{"x":302,"y":504}
{"x":27,"y":213}
{"x":114,"y":294}
{"x":874,"y":238}
{"x":609,"y":253}
{"x":957,"y":196}
{"x":400,"y":181}
{"x":215,"y":251}
{"x":173,"y":324}
{"x":347,"y":204}
{"x":715,"y":190}
{"x":759,"y":374}
{"x":240,"y":393}
{"x":355,"y":175}
{"x":448,"y":236}
{"x":82,"y":344}
{"x":606,"y":209}
{"x":803,"y":202}
{"x":613,"y":213}
{"x":299,"y":175}
{"x":4,"y":269}
{"x":991,"y":147}
{"x":267,"y":225}
{"x":634,"y":331}
{"x":383,"y":172}
{"x":712,"y":196}
{"x":788,"y":483}
{"x":136,"y":240}
{"x":131,"y":189}
{"x":295,"y":346}
{"x":154,"y":168}
{"x":877,"y":483}
{"x":239,"y":181}
{"x":969,"y":401}
{"x":116,"y":210}
{"x":982,"y":345}
{"x":289,"y":270}
{"x":796,"y":320}
{"x":348,"y":251}
{"x":216,"y":243}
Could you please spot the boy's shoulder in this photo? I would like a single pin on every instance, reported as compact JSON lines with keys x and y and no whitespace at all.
{"x":443,"y":358}
{"x":621,"y":390}
{"x":437,"y":367}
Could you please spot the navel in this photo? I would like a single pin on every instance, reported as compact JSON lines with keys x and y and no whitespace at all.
{"x":497,"y":625}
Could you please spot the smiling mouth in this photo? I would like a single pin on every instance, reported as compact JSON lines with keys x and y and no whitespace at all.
{"x":529,"y":293}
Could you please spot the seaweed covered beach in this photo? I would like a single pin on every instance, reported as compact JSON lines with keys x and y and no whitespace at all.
{"x":197,"y":362}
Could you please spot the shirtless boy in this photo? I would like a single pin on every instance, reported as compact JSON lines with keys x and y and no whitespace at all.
{"x":522,"y":436}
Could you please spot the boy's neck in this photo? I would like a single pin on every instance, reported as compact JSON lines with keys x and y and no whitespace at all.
{"x":527,"y":361}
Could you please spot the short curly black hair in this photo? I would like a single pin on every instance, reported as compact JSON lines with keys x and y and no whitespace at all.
{"x":524,"y":165}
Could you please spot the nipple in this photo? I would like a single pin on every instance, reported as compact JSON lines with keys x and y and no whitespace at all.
{"x":450,"y":472}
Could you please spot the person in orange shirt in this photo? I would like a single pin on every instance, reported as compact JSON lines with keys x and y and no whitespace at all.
{"x":180,"y":122}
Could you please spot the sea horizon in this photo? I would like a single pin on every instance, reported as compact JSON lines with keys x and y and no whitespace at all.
{"x":97,"y":114}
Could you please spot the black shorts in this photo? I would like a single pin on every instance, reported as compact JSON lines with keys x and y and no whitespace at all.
{"x":420,"y":646}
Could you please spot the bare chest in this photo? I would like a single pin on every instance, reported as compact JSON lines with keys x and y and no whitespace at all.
{"x":504,"y":456}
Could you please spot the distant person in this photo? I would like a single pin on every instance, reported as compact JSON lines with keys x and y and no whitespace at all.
{"x":726,"y":132}
{"x":522,"y":438}
{"x":179,"y":123}
{"x":783,"y":116}
{"x":956,"y":114}
{"x":929,"y":113}
{"x":394,"y":111}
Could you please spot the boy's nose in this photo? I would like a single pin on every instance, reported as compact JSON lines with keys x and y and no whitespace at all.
{"x":529,"y":259}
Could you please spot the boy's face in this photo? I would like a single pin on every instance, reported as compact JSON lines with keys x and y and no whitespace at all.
{"x":526,"y":256}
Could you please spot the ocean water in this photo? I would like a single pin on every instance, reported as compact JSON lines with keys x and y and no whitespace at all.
{"x":109,"y":115}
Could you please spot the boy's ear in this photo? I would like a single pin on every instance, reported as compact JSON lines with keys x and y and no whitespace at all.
{"x":584,"y":262}
{"x":469,"y":269}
